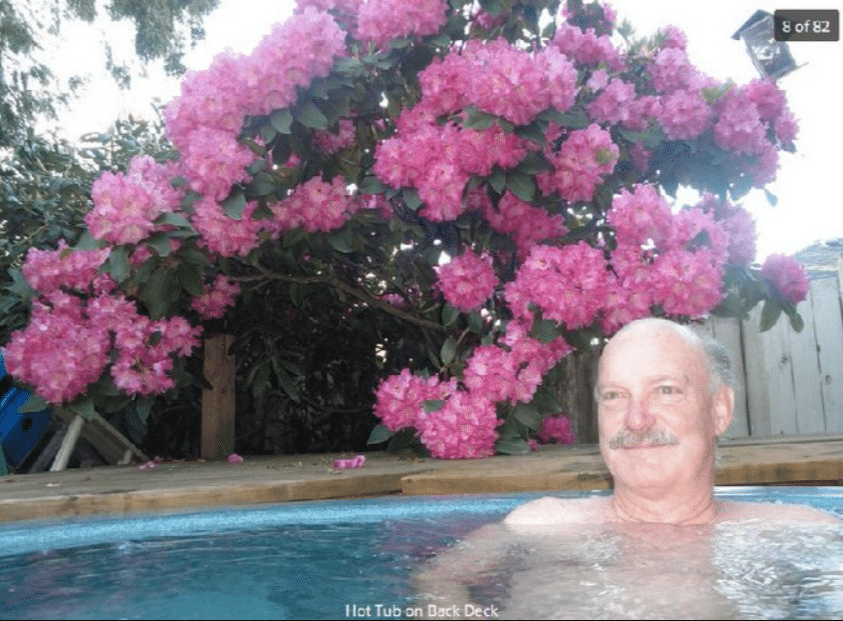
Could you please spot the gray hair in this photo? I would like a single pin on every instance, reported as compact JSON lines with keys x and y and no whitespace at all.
{"x":717,"y":359}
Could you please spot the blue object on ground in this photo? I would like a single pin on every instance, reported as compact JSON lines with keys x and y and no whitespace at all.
{"x":20,"y":432}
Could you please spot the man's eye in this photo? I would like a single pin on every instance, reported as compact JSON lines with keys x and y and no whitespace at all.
{"x":611,"y":394}
{"x":668,"y":390}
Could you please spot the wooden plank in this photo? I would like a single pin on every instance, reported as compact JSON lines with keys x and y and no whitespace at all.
{"x":780,"y":382}
{"x":828,"y":325}
{"x":806,"y":369}
{"x":68,"y":444}
{"x":218,"y":402}
{"x":757,"y":392}
{"x":727,"y":331}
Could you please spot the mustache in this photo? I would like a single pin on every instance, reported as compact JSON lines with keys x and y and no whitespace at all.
{"x":651,"y":437}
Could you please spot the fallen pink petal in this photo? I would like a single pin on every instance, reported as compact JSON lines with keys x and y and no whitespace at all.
{"x":347,"y":464}
{"x":234,"y":458}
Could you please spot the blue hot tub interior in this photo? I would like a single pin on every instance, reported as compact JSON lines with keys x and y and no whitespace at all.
{"x":340,"y":559}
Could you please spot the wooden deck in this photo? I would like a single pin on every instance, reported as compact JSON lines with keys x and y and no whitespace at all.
{"x":174,"y":486}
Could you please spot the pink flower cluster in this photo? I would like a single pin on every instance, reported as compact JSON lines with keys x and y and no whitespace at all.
{"x":671,"y":260}
{"x":684,"y":114}
{"x":499,"y":79}
{"x":568,"y":284}
{"x":217,"y":298}
{"x":557,"y":430}
{"x":586,"y":48}
{"x":513,"y":371}
{"x":223,"y":235}
{"x":526,"y":223}
{"x":315,"y":205}
{"x":787,"y":277}
{"x":463,"y":428}
{"x":613,"y":104}
{"x":467,"y":280}
{"x":380,"y":21}
{"x":438,"y":161}
{"x":79,"y":338}
{"x":581,"y":164}
{"x":49,"y":270}
{"x":127,"y":205}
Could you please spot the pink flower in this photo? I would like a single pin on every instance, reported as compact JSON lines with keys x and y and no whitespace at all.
{"x":557,"y":430}
{"x":641,"y":217}
{"x":400,"y":398}
{"x":584,"y":159}
{"x":464,"y":428}
{"x":671,"y":70}
{"x":739,"y":126}
{"x":64,"y":268}
{"x":467,"y":280}
{"x":787,"y":277}
{"x":613,"y":104}
{"x":568,"y":284}
{"x":382,"y":20}
{"x":234,"y":458}
{"x":684,"y":114}
{"x":526,"y":223}
{"x":358,"y":461}
{"x":217,"y":298}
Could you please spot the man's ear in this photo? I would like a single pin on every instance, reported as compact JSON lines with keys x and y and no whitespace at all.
{"x":723,"y":408}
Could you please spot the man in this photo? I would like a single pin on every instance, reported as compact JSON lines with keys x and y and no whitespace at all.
{"x":664,"y":394}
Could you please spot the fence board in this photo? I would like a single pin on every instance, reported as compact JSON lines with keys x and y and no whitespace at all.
{"x":806,"y":369}
{"x":757,"y":395}
{"x":828,"y":325}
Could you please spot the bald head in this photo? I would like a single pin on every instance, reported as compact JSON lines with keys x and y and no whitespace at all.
{"x":716,"y":358}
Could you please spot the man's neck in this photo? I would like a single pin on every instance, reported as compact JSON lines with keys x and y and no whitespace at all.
{"x":697,"y":507}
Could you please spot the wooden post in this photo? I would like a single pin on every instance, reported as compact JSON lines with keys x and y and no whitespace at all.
{"x":218,"y":402}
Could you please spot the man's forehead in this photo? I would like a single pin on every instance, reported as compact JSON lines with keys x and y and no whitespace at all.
{"x":650,"y":353}
{"x":617,"y":379}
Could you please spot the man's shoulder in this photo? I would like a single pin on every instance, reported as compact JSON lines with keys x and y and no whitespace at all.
{"x":552,"y":510}
{"x":772,"y":513}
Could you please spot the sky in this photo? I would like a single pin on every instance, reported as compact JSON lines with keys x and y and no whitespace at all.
{"x":809,"y":206}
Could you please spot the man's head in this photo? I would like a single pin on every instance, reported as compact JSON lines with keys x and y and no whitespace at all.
{"x":664,"y":394}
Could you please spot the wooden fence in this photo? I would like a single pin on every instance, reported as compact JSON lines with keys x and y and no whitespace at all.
{"x":788,"y":382}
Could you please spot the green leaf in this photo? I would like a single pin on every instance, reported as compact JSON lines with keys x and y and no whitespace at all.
{"x":371,"y":185}
{"x":796,"y":321}
{"x":118,"y":264}
{"x":160,"y":243}
{"x":521,"y":185}
{"x":379,"y":434}
{"x":475,"y":119}
{"x":574,"y":120}
{"x":770,"y":314}
{"x":512,"y":446}
{"x":281,"y":120}
{"x":544,"y":330}
{"x":234,"y":205}
{"x":533,"y":163}
{"x":84,"y":408}
{"x":341,"y":241}
{"x":449,"y":350}
{"x":433,"y":405}
{"x":311,"y":116}
{"x":190,"y":279}
{"x":449,"y":315}
{"x":411,"y":198}
{"x":475,"y":323}
{"x":89,"y":242}
{"x":174,"y":219}
{"x":33,"y":403}
{"x":263,"y":184}
{"x":498,"y":180}
{"x":528,"y":415}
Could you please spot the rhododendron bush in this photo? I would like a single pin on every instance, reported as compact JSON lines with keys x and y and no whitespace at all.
{"x":497,"y":175}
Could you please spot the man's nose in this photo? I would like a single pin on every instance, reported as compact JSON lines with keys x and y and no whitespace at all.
{"x":638,"y":417}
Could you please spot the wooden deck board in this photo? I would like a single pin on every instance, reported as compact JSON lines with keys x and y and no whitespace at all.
{"x":175,"y":486}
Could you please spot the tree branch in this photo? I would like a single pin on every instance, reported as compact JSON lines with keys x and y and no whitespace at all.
{"x":337,"y":283}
